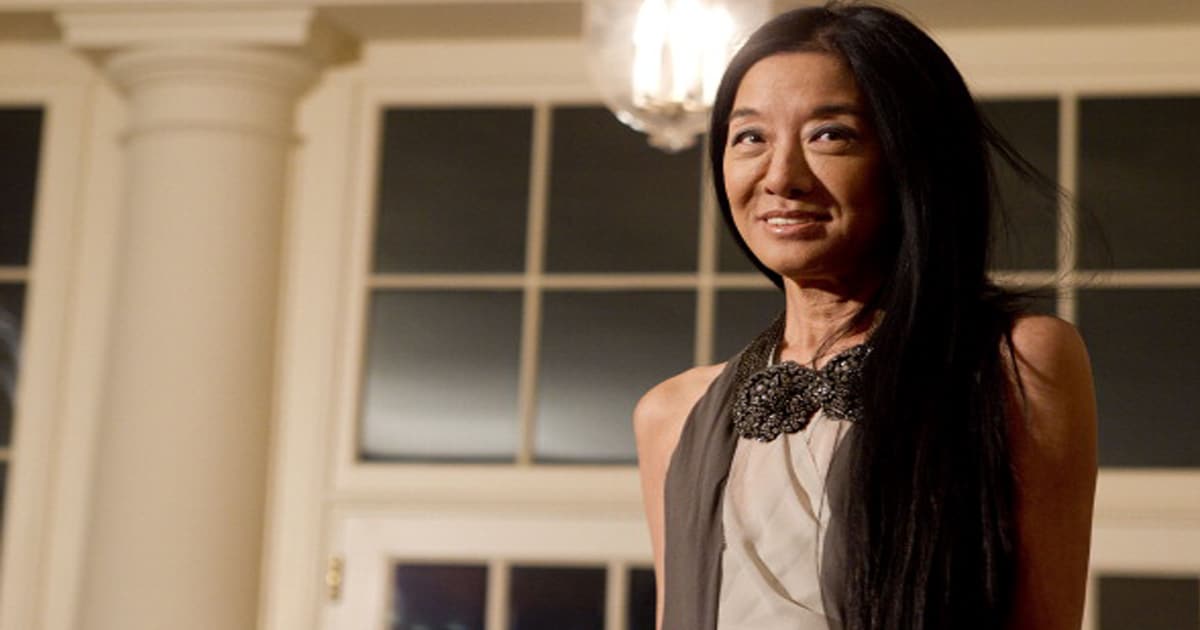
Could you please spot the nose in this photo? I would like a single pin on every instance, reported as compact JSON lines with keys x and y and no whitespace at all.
{"x":788,"y":173}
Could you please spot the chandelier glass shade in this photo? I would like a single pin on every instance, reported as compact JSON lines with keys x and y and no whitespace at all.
{"x":657,"y":63}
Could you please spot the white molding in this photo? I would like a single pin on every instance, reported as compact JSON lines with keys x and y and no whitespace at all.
{"x":351,"y":287}
{"x":64,"y":340}
{"x":1149,"y":495}
{"x":289,"y":74}
{"x":494,"y":486}
{"x":42,"y":64}
{"x":314,"y":254}
{"x":99,"y":228}
{"x":123,"y":26}
{"x":100,"y":28}
{"x":512,"y":64}
{"x":1084,"y":60}
{"x":995,"y":62}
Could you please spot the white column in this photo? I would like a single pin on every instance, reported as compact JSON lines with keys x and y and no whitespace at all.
{"x":175,"y":538}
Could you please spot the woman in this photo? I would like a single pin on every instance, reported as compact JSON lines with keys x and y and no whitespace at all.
{"x":903,"y":448}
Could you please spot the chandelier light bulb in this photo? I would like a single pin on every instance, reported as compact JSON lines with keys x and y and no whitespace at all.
{"x":658,"y":62}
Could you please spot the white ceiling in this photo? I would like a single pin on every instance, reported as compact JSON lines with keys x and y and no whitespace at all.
{"x":467,"y":19}
{"x":542,"y":18}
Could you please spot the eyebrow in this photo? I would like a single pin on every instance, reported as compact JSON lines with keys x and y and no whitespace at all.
{"x":838,"y":108}
{"x":831,"y":109}
{"x":742,"y":112}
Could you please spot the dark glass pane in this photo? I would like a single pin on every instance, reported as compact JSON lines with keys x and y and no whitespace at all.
{"x":1137,"y":175}
{"x":616,"y":203}
{"x":1036,"y":299}
{"x":556,"y":598}
{"x":641,"y":600}
{"x":1145,"y":349}
{"x":741,"y":315}
{"x":12,"y":311}
{"x":1144,"y":603}
{"x":441,"y":375}
{"x":1042,"y":301}
{"x":439,"y":597}
{"x":20,"y":146}
{"x":600,"y":352}
{"x":453,"y":190}
{"x":730,"y":257}
{"x":1026,"y":228}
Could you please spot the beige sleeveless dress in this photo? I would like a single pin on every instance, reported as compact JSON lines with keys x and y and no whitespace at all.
{"x":746,"y":521}
{"x":775,"y":515}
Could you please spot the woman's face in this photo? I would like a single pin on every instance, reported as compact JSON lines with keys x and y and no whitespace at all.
{"x":803,"y":168}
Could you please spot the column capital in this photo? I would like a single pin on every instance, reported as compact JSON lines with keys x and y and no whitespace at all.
{"x":298,"y":30}
{"x":219,"y":69}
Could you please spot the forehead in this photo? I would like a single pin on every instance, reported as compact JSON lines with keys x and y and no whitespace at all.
{"x":797,"y":79}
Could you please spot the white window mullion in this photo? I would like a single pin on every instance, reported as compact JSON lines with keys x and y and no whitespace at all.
{"x":615,"y":591}
{"x":1136,"y":279}
{"x":497,"y":595}
{"x":707,"y":267}
{"x":14,"y":274}
{"x":1068,"y":220}
{"x":535,"y":254}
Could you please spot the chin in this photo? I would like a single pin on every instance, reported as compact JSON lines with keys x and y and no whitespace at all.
{"x":793,"y":264}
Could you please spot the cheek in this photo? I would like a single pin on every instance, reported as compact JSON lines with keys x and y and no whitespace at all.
{"x":739,"y":185}
{"x":857,"y":188}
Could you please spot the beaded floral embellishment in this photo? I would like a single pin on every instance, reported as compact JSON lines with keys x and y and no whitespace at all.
{"x":782,"y":398}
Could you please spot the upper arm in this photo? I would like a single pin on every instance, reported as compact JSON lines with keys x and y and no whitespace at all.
{"x":658,"y":421}
{"x":1053,"y":441}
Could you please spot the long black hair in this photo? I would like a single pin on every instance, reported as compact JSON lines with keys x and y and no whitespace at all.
{"x":923,"y":509}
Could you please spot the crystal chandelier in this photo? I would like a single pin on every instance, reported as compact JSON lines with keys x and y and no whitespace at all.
{"x":658,"y":62}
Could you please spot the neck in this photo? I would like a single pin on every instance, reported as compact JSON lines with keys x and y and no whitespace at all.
{"x":820,"y":318}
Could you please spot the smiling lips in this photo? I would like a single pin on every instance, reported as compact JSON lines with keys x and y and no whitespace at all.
{"x":793,"y":222}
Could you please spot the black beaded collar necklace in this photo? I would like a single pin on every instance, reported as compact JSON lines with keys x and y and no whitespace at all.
{"x":775,"y":398}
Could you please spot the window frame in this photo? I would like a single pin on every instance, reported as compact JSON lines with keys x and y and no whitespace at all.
{"x":68,"y":282}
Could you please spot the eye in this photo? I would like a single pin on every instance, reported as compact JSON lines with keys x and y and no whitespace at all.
{"x":834,"y":139}
{"x":833,"y":133}
{"x":746,"y":136}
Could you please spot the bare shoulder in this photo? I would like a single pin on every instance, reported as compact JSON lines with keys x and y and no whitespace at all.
{"x":1048,"y":346}
{"x":658,"y":421}
{"x":1052,"y":365}
{"x":662,"y":411}
{"x":1053,"y":442}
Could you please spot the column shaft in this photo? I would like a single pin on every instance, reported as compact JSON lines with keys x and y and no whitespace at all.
{"x":175,"y":538}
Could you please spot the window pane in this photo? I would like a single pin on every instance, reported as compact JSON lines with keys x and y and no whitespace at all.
{"x":441,"y":375}
{"x":453,"y":190}
{"x":20,"y":145}
{"x":600,"y":352}
{"x":1144,"y":346}
{"x":616,"y":203}
{"x":1145,"y":603}
{"x":641,"y":600}
{"x":741,"y":315}
{"x":554,"y":598}
{"x":1028,"y":239}
{"x":1042,"y":301}
{"x":439,"y":597}
{"x":12,"y":310}
{"x":1137,"y":174}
